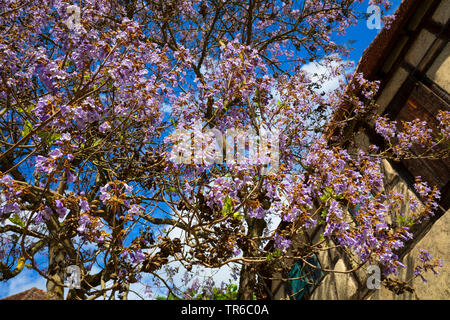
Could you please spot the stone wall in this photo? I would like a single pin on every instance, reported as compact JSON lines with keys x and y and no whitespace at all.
{"x":437,"y":286}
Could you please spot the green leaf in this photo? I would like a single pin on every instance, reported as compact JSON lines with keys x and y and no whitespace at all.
{"x":48,"y":137}
{"x":401,"y":220}
{"x":28,"y":109}
{"x":17,"y":221}
{"x":170,"y":297}
{"x":340,"y":196}
{"x":323,"y":197}
{"x":237,"y":215}
{"x":277,"y":253}
{"x":96,"y":142}
{"x":227,"y":208}
{"x":55,"y":136}
{"x":173,"y":190}
{"x":27,"y":128}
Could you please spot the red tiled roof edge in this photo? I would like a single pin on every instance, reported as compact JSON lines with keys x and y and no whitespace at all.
{"x":30,"y":294}
{"x":376,"y":53}
{"x":381,"y":46}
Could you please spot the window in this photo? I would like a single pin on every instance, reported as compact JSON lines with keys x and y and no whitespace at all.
{"x":422,"y":103}
{"x":416,"y":99}
{"x":354,"y":211}
{"x":305,"y":278}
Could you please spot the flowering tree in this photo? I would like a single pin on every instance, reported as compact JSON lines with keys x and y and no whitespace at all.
{"x":98,"y":101}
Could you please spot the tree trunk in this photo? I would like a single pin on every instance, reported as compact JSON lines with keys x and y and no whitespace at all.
{"x":247,"y":280}
{"x":57,"y":262}
{"x":76,"y":294}
{"x":247,"y":283}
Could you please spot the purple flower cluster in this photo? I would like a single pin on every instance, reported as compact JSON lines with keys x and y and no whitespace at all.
{"x":334,"y":220}
{"x":385,"y":128}
{"x":9,"y":197}
{"x":427,"y":263}
{"x":281,"y":243}
{"x":61,"y":210}
{"x":136,"y":256}
{"x":429,"y":197}
{"x":48,"y":165}
{"x":114,"y":191}
{"x":91,"y":228}
{"x":444,"y":123}
{"x":43,"y":215}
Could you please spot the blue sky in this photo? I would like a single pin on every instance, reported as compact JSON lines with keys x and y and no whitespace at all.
{"x":361,"y":36}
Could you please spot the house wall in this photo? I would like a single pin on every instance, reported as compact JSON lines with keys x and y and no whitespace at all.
{"x":440,"y":70}
{"x":426,"y":53}
{"x":437,"y":287}
{"x":437,"y":239}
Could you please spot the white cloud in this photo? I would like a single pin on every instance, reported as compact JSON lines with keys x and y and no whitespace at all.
{"x":25,"y":280}
{"x":319,"y":72}
{"x":166,"y":108}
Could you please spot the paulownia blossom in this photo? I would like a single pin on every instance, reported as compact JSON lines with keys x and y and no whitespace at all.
{"x":87,"y":175}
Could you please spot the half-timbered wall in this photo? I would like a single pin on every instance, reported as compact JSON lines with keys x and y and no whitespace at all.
{"x":415,"y":83}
